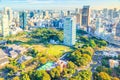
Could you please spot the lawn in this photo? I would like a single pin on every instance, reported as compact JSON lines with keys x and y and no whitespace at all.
{"x":57,"y":50}
{"x":40,"y":48}
{"x":53,"y":50}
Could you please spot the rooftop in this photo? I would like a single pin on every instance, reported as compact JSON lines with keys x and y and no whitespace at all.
{"x":47,"y":66}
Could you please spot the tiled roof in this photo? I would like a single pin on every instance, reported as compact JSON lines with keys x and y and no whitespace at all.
{"x":4,"y":60}
{"x":2,"y":54}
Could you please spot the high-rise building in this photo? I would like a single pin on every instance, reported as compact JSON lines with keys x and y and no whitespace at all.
{"x":76,"y":10}
{"x":118,"y":30}
{"x":115,"y":13}
{"x":69,"y":31}
{"x":105,"y":12}
{"x":61,"y":14}
{"x":0,"y":27}
{"x":8,"y":11}
{"x":43,"y":14}
{"x":47,"y":15}
{"x":23,"y":20}
{"x":16,"y":18}
{"x":31,"y":14}
{"x":5,"y":25}
{"x":99,"y":28}
{"x":78,"y":18}
{"x":68,"y":13}
{"x":85,"y":16}
{"x":110,"y":13}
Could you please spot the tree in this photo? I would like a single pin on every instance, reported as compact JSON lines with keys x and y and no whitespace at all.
{"x":69,"y":70}
{"x":105,"y":63}
{"x":92,"y":43}
{"x":81,"y":32}
{"x":87,"y":50}
{"x":41,"y":75}
{"x":25,"y":77}
{"x":119,"y":56}
{"x":83,"y":75}
{"x":1,"y":78}
{"x":75,"y":55}
{"x":103,"y":76}
{"x":104,"y":69}
{"x":71,"y":65}
{"x":79,"y":59}
{"x":95,"y":76}
{"x":101,"y":43}
{"x":115,"y":78}
{"x":55,"y":73}
{"x":87,"y":57}
{"x":13,"y":62}
{"x":16,"y":78}
{"x":10,"y":68}
{"x":44,"y":35}
{"x":22,"y":66}
{"x":117,"y":70}
{"x":43,"y":60}
{"x":32,"y":52}
{"x":64,"y":73}
{"x":84,"y":39}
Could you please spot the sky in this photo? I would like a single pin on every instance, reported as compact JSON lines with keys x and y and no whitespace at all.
{"x":58,"y":4}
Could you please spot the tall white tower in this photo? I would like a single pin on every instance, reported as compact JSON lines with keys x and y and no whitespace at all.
{"x":5,"y":25}
{"x":70,"y":31}
{"x":9,"y":12}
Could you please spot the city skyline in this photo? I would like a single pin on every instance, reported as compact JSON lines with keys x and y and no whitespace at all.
{"x":56,"y":4}
{"x":59,"y":40}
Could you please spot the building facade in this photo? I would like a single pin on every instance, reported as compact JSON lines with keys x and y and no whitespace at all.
{"x":118,"y":30}
{"x":113,"y":63}
{"x":23,"y":20}
{"x":8,"y":11}
{"x":85,"y":16}
{"x":5,"y":25}
{"x":69,"y":31}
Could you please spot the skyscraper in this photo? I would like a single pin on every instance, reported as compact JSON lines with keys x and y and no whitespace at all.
{"x":8,"y":11}
{"x":68,"y":13}
{"x":85,"y":16}
{"x":69,"y":31}
{"x":76,"y":10}
{"x":118,"y":29}
{"x":105,"y":12}
{"x":78,"y":19}
{"x":47,"y":15}
{"x":99,"y":28}
{"x":31,"y":14}
{"x":5,"y":25}
{"x":0,"y":25}
{"x":16,"y":18}
{"x":23,"y":20}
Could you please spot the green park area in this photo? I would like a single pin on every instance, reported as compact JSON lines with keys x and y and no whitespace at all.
{"x":44,"y":53}
{"x":57,"y":50}
{"x":51,"y":50}
{"x":39,"y":40}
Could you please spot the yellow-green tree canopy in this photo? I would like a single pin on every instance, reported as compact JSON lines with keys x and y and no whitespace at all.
{"x":103,"y":76}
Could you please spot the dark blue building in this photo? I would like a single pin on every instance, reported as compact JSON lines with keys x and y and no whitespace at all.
{"x":23,"y":20}
{"x":31,"y":14}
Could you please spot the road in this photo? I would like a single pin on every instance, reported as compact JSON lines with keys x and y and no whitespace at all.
{"x":97,"y":57}
{"x":112,"y":46}
{"x":96,"y":61}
